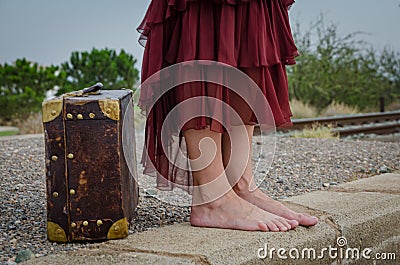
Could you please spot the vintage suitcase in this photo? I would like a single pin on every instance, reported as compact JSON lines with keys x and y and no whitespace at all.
{"x":91,"y":175}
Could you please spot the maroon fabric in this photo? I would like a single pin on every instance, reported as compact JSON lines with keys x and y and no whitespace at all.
{"x":251,"y":35}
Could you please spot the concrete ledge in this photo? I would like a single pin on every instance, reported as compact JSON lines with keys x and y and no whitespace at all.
{"x":365,"y":212}
{"x":385,"y":183}
{"x":365,"y":219}
{"x":108,"y":257}
{"x":220,"y":246}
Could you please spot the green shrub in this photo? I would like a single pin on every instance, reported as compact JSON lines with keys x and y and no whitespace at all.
{"x":114,"y":70}
{"x":342,"y":68}
{"x":23,"y":86}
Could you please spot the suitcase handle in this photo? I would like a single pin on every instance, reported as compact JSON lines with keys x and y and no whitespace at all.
{"x":93,"y":89}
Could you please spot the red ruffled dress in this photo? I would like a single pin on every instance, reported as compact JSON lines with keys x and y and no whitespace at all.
{"x":253,"y":36}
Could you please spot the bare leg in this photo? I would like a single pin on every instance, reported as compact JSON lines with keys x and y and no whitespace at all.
{"x":246,"y":182}
{"x":217,"y":205}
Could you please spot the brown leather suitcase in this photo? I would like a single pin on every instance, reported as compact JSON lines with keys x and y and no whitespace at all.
{"x":91,"y":176}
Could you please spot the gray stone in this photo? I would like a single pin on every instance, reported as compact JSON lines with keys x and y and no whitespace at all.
{"x":384,"y":169}
{"x":151,"y":193}
{"x":24,"y":255}
{"x":325,"y":185}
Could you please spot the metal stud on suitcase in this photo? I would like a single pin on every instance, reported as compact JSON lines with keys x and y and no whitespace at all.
{"x":91,"y":175}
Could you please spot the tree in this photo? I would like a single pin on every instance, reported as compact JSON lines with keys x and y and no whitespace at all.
{"x":23,"y":87}
{"x":114,"y":70}
{"x":390,"y":69}
{"x":341,"y":68}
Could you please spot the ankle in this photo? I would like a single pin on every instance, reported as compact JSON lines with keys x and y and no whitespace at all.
{"x":242,"y":186}
{"x":214,"y":204}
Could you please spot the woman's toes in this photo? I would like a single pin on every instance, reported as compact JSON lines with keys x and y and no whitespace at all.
{"x":263,"y":227}
{"x":288,"y":225}
{"x":285,"y":222}
{"x":314,"y":220}
{"x":272,"y":226}
{"x":308,"y":220}
{"x":293,"y":223}
{"x":282,"y":226}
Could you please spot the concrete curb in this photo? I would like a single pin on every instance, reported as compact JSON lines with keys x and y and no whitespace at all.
{"x":362,"y":214}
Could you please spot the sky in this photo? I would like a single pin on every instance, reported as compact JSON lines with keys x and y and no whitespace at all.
{"x":48,"y":31}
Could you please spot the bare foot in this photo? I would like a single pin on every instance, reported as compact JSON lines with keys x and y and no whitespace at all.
{"x":232,"y":212}
{"x":261,"y":200}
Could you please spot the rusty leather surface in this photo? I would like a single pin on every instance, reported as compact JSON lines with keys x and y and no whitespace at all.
{"x":55,"y":173}
{"x":95,"y":175}
{"x":130,"y":189}
{"x":84,"y":107}
{"x":89,"y":104}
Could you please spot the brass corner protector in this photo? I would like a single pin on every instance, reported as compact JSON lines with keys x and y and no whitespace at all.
{"x":119,"y":229}
{"x":110,"y":108}
{"x":51,"y":109}
{"x":55,"y":233}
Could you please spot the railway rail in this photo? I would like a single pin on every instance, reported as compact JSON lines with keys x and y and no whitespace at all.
{"x":369,"y":123}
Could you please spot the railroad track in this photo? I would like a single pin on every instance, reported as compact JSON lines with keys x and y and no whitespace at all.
{"x":377,"y":123}
{"x":375,"y":129}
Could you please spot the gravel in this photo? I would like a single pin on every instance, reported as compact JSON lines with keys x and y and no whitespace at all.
{"x":303,"y":165}
{"x":299,"y":166}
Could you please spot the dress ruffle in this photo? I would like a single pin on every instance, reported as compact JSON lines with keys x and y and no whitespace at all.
{"x":251,"y":35}
{"x":240,"y":33}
